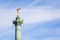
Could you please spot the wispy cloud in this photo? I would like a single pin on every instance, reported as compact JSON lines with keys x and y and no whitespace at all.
{"x":39,"y":15}
{"x":30,"y":15}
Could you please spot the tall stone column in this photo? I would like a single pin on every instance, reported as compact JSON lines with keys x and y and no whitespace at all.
{"x":17,"y":22}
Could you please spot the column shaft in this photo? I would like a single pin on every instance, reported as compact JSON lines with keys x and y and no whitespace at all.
{"x":17,"y":33}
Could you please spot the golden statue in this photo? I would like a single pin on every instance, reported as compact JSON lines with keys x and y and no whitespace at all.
{"x":17,"y":10}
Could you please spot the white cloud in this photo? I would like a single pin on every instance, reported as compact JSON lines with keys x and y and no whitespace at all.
{"x":33,"y":3}
{"x":29,"y":15}
{"x":39,"y":15}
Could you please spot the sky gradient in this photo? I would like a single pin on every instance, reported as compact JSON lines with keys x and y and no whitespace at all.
{"x":41,"y":19}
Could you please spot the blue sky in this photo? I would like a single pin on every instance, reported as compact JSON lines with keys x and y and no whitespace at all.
{"x":41,"y":19}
